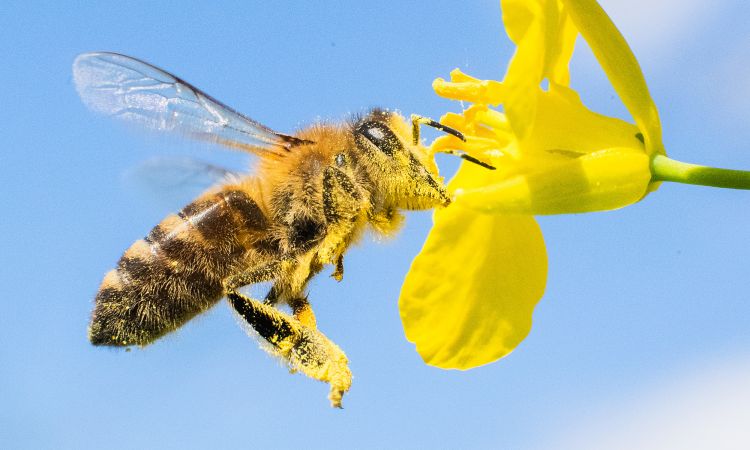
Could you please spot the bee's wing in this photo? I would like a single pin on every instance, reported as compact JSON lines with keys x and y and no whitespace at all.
{"x":180,"y":173}
{"x":171,"y":181}
{"x":134,"y":90}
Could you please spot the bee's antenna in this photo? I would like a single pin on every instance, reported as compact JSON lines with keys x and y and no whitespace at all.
{"x":417,"y":120}
{"x":469,"y":158}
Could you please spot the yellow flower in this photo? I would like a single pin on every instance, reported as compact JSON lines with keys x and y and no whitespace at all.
{"x":470,"y":293}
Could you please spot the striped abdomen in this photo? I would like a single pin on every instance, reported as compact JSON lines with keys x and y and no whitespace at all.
{"x":176,"y":272}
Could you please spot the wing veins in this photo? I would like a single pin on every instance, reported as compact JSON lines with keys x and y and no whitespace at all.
{"x":132,"y":89}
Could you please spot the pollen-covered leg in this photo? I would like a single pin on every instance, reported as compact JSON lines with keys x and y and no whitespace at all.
{"x":252,"y":276}
{"x":303,"y":312}
{"x":338,"y":272}
{"x":304,"y":348}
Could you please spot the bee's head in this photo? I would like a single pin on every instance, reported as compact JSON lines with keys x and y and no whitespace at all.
{"x":405,"y":174}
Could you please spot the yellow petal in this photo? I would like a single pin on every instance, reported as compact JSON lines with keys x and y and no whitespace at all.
{"x":620,"y":65}
{"x":470,"y":293}
{"x":564,"y":184}
{"x":560,"y":51}
{"x":564,"y":123}
{"x":525,"y":24}
{"x":545,"y":36}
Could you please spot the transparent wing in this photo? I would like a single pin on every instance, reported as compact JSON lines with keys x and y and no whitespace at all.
{"x":164,"y":173}
{"x":133,"y":90}
{"x":172,"y":181}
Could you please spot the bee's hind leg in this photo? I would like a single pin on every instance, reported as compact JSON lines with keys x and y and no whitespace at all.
{"x":297,"y":341}
{"x":302,"y":311}
{"x":301,"y":308}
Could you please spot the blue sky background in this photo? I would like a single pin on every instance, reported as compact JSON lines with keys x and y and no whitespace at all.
{"x":643,"y":336}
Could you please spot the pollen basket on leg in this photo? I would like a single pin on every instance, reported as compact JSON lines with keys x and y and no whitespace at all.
{"x":303,"y":348}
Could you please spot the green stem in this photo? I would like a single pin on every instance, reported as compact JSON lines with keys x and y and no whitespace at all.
{"x":665,"y":169}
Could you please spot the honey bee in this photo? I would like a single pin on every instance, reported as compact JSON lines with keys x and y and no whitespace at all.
{"x":312,"y":195}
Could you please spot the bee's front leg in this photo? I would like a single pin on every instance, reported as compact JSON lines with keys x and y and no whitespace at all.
{"x":338,"y":272}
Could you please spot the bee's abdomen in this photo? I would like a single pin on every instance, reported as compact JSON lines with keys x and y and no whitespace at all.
{"x":176,"y":272}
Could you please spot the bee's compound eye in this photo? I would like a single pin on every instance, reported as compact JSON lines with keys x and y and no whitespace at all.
{"x":380,"y":136}
{"x":375,"y":133}
{"x":340,"y":160}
